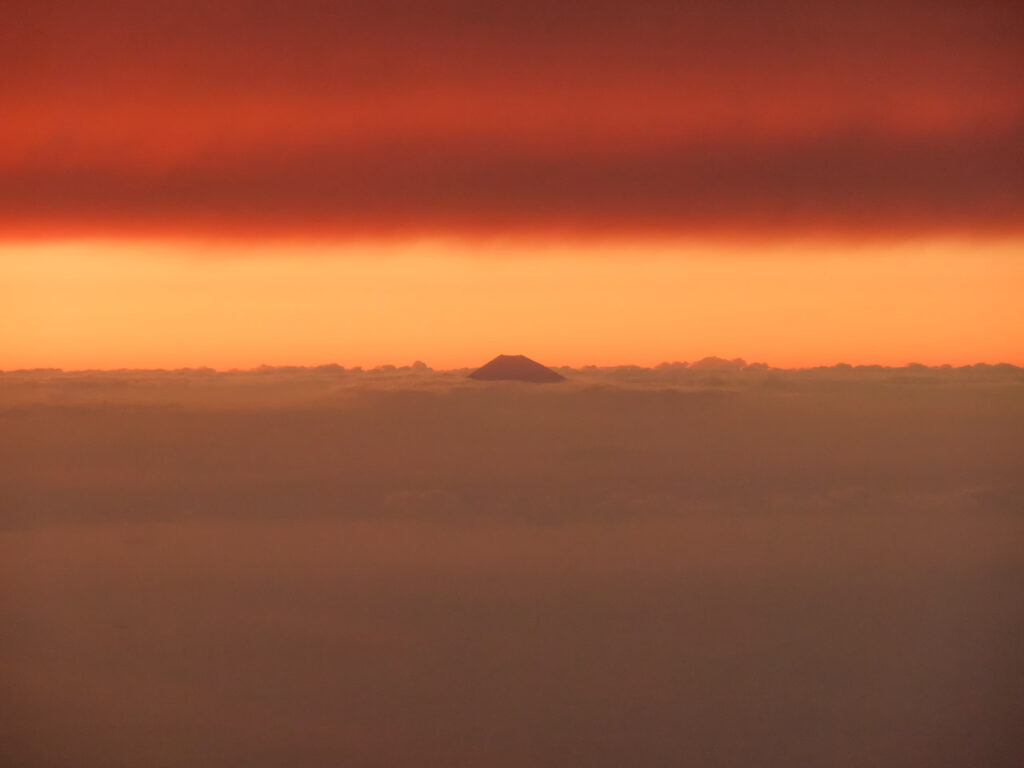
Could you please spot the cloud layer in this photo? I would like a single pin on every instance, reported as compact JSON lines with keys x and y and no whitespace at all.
{"x":736,"y":565}
{"x":406,"y":117}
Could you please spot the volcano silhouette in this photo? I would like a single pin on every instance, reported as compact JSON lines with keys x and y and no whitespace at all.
{"x":515,"y":368}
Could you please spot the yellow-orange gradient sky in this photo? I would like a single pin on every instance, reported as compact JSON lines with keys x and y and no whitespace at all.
{"x":101,"y":304}
{"x":375,"y":181}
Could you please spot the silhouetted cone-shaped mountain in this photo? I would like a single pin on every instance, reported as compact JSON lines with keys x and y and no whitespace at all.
{"x":515,"y":368}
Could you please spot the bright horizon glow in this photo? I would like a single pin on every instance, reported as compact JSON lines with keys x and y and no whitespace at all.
{"x":457,"y":303}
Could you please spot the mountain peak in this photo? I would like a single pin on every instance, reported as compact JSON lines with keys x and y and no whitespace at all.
{"x":515,"y":368}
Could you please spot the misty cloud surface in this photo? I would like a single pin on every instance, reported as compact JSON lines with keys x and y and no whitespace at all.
{"x":710,"y":564}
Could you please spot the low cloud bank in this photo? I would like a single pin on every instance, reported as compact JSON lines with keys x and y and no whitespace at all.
{"x":267,"y":385}
{"x":609,"y":443}
{"x":715,"y":563}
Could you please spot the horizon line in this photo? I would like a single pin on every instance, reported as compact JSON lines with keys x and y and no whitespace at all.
{"x":706,"y":364}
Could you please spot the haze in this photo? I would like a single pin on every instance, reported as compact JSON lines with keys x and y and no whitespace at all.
{"x":711,"y":563}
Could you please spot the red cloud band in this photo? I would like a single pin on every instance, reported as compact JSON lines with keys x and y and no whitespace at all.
{"x":845,"y":184}
{"x":456,"y":115}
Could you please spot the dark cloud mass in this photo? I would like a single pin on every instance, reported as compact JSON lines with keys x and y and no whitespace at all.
{"x":452,"y":116}
{"x":842,"y":183}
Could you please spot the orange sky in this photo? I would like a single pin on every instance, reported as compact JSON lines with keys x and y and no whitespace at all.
{"x":239,"y":182}
{"x":100,"y":304}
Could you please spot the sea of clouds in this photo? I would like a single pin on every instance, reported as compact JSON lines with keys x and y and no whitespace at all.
{"x":711,"y":563}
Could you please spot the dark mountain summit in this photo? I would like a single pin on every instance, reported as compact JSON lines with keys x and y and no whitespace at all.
{"x":515,"y":368}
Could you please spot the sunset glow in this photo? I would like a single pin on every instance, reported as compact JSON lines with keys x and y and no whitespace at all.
{"x":511,"y":383}
{"x":101,"y":304}
{"x":370,"y":182}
